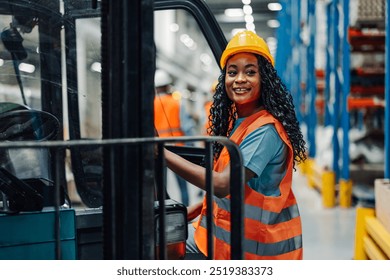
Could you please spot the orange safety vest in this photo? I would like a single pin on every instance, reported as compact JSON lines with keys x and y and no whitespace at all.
{"x":167,"y":116}
{"x":273,"y":229}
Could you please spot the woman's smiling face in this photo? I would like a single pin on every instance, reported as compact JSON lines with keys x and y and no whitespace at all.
{"x":242,"y":81}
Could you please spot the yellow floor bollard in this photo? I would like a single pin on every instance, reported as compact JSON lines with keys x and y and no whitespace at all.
{"x":303,"y":167}
{"x":345,"y":193}
{"x":361,"y":232}
{"x":310,"y":172}
{"x":328,"y":189}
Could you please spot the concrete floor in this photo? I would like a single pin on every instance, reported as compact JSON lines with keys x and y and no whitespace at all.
{"x":328,"y":233}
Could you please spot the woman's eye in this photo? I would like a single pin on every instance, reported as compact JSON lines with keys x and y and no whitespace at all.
{"x":231,"y":73}
{"x":251,"y":72}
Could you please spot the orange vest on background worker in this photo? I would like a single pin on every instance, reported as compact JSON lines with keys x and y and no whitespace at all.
{"x":273,"y":229}
{"x":167,"y":116}
{"x":207,"y":107}
{"x":166,"y":107}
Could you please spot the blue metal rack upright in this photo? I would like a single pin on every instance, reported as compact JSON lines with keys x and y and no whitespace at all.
{"x":346,"y":89}
{"x":345,"y":180}
{"x":283,"y":53}
{"x":296,"y":62}
{"x":387,"y":92}
{"x":334,"y":81}
{"x":302,"y":57}
{"x":287,"y":60}
{"x":311,"y":85}
{"x":337,"y":89}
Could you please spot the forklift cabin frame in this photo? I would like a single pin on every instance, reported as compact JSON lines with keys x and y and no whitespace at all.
{"x":128,"y":65}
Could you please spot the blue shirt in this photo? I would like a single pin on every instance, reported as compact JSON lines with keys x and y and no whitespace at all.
{"x":265,"y":154}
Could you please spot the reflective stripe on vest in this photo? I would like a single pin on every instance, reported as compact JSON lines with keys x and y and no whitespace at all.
{"x":171,"y":131}
{"x":261,"y":215}
{"x":259,"y":248}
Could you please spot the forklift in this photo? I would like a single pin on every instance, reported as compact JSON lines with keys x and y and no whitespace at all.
{"x":128,"y":212}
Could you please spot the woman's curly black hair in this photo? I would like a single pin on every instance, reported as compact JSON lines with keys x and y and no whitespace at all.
{"x":274,"y":97}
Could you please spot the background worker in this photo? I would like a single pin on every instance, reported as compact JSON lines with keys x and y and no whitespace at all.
{"x":171,"y":118}
{"x":255,"y":110}
{"x":207,"y":106}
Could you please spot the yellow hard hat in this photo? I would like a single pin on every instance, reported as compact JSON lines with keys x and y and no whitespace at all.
{"x":246,"y":41}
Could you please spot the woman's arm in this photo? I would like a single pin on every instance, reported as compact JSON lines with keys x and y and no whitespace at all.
{"x":196,"y":174}
{"x":194,"y":210}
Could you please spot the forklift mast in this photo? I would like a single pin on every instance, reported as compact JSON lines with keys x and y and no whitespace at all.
{"x":116,"y":173}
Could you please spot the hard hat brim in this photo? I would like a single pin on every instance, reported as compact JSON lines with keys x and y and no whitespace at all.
{"x":232,"y":51}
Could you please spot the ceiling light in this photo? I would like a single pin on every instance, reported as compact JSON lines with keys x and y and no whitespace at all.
{"x":174,"y":27}
{"x":236,"y":30}
{"x":272,"y":43}
{"x":249,"y":18}
{"x":246,"y":2}
{"x":273,"y":23}
{"x":234,"y":13}
{"x":247,"y":9}
{"x":206,"y":59}
{"x":176,"y":95}
{"x":96,"y":67}
{"x":26,"y":67}
{"x":250,"y":26}
{"x":274,"y":7}
{"x":188,"y":41}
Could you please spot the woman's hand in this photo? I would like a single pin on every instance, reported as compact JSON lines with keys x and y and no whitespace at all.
{"x":193,"y":211}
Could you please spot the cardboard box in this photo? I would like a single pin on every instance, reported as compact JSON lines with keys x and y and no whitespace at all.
{"x":382,"y":205}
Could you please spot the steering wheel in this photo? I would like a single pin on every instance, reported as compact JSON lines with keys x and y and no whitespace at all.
{"x":17,"y":123}
{"x":23,"y":124}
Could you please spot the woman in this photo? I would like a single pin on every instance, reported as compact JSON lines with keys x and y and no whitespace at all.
{"x":254,"y":109}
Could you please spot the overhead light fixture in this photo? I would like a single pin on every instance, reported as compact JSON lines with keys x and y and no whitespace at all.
{"x":188,"y":41}
{"x":96,"y":67}
{"x":249,"y":19}
{"x":234,"y":13}
{"x":250,"y":26}
{"x":176,"y":95}
{"x":245,"y":12}
{"x":173,"y":27}
{"x":206,"y":59}
{"x":273,"y":23}
{"x":26,"y":67}
{"x":274,"y":7}
{"x":272,"y":43}
{"x":236,"y":30}
{"x":247,"y":9}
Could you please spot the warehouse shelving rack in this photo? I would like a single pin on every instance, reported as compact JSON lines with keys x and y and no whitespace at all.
{"x":306,"y":84}
{"x":299,"y":55}
{"x":301,"y":76}
{"x":371,"y":239}
{"x":387,"y":92}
